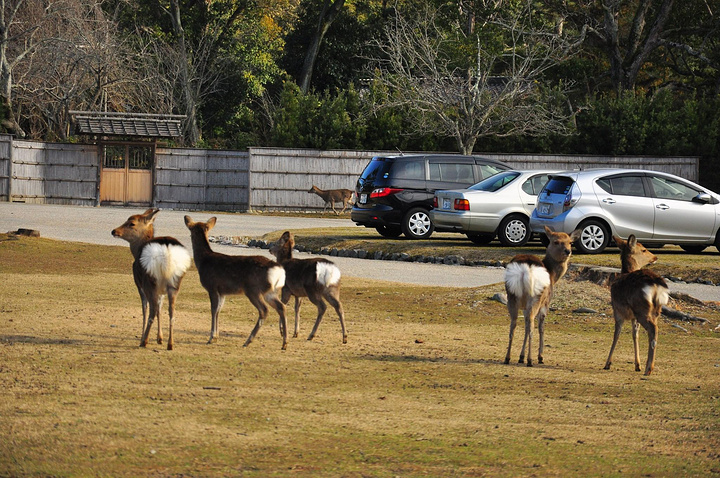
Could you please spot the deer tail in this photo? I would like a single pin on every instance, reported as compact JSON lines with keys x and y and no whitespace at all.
{"x":165,"y":262}
{"x":523,"y":279}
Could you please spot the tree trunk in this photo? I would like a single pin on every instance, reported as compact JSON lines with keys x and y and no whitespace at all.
{"x":327,"y":16}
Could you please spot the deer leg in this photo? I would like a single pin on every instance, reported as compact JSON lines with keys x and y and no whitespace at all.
{"x":316,"y":299}
{"x":635,"y":330}
{"x":280,"y":308}
{"x":157,"y":314}
{"x":332,"y":296}
{"x":513,"y":311}
{"x":652,"y":331}
{"x":216,"y":303}
{"x":333,"y":208}
{"x":153,"y":303}
{"x":262,"y":309}
{"x":144,"y":302}
{"x":529,"y":326}
{"x":298,"y":303}
{"x":172,"y":294}
{"x":541,"y":333}
{"x":619,"y":320}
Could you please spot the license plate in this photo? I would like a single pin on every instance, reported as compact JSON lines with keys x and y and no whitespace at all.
{"x":446,"y":203}
{"x":363,"y":198}
{"x":544,"y":208}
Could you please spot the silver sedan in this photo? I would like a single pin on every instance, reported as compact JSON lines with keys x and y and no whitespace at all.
{"x":499,"y":205}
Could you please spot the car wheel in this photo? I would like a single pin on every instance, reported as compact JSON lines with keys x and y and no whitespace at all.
{"x":693,"y":248}
{"x":481,"y":239}
{"x":514,"y":231}
{"x":417,"y":224}
{"x":389,"y":231}
{"x":594,"y":237}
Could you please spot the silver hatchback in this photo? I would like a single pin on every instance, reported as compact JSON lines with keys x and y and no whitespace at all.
{"x":659,"y":208}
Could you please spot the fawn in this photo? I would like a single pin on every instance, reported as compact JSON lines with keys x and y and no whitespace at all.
{"x":331,"y":196}
{"x":159,"y":267}
{"x":315,"y":279}
{"x":638,"y":294}
{"x":529,"y":283}
{"x":258,"y":277}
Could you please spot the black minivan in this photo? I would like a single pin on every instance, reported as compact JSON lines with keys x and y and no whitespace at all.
{"x":395,"y":193}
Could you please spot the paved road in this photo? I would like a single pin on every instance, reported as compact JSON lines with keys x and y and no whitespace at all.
{"x":93,"y":225}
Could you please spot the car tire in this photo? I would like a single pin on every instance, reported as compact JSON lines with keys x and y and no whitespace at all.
{"x":417,"y":224}
{"x":514,"y":231}
{"x":481,"y":239}
{"x":693,"y":248}
{"x":594,"y":237}
{"x":389,"y":231}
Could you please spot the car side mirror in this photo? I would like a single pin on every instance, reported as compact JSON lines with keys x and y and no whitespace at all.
{"x":703,"y":198}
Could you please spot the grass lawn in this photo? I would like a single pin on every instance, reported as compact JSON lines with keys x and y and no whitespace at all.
{"x":419,"y":390}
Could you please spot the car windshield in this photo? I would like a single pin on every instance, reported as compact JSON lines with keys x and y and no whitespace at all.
{"x":493,"y":183}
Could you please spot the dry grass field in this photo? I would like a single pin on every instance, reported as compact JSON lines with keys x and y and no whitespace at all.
{"x":419,"y":390}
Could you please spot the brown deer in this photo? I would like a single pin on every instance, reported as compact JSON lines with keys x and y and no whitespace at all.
{"x":331,"y":196}
{"x":315,"y":279}
{"x":529,"y":282}
{"x":259,"y":278}
{"x":159,"y":267}
{"x":638,"y":294}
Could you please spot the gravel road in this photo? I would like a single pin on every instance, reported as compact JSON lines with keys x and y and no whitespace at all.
{"x":93,"y":225}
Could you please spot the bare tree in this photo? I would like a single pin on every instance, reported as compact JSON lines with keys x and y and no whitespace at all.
{"x":330,"y":10}
{"x":497,"y":93}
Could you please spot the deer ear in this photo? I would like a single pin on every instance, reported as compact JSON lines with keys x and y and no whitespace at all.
{"x":632,"y":241}
{"x":549,"y":232}
{"x":211,"y":223}
{"x":286,"y":236}
{"x":189,"y":222}
{"x":149,"y":215}
{"x":575,"y":235}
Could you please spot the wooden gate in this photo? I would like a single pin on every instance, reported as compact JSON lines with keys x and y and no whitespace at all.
{"x":127,"y":174}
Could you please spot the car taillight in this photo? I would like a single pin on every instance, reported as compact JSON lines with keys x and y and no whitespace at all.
{"x":570,"y":200}
{"x":382,"y":192}
{"x":462,"y":205}
{"x":435,"y":202}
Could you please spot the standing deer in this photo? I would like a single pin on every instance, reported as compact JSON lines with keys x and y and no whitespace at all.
{"x":638,"y":294}
{"x":529,"y":283}
{"x":331,"y":196}
{"x":259,"y":278}
{"x":315,"y":279}
{"x":160,"y":264}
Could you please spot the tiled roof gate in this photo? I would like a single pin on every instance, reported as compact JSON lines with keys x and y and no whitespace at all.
{"x":144,"y":125}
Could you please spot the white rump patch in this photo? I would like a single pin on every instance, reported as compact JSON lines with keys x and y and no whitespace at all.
{"x":327,"y":274}
{"x":656,"y":294}
{"x":523,"y":279}
{"x":276,"y":277}
{"x":166,"y":263}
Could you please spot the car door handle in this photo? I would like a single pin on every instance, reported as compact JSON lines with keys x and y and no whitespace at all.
{"x":609,"y":201}
{"x":662,"y":206}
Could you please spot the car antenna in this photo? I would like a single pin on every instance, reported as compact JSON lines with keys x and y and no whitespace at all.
{"x":398,"y":150}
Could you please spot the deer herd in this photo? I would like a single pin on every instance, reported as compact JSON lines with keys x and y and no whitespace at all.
{"x":160,"y":263}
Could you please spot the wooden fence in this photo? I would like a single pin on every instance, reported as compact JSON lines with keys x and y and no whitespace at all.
{"x":261,"y":179}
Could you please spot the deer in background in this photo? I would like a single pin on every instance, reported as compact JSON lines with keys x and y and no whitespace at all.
{"x":159,"y":267}
{"x":259,"y":278}
{"x":314,"y":278}
{"x":529,"y":282}
{"x":638,"y":294}
{"x":331,"y":196}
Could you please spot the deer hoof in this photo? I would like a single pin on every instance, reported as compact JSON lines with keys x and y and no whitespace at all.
{"x":529,"y":363}
{"x":170,"y":346}
{"x":522,"y":359}
{"x":344,"y":339}
{"x":606,"y":367}
{"x":540,"y":360}
{"x":160,"y":340}
{"x":507,"y":360}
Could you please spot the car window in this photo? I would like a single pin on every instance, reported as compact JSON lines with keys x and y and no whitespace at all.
{"x":493,"y":183}
{"x":559,"y":185}
{"x":409,"y":170}
{"x":452,"y":172}
{"x":623,"y":185}
{"x":665,"y":188}
{"x":376,"y":169}
{"x":534,"y":185}
{"x":487,"y":170}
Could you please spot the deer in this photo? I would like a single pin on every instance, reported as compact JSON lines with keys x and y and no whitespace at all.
{"x":159,"y":267}
{"x":331,"y":196}
{"x":315,"y":278}
{"x":529,"y":283}
{"x":639,"y":295}
{"x":259,"y":278}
